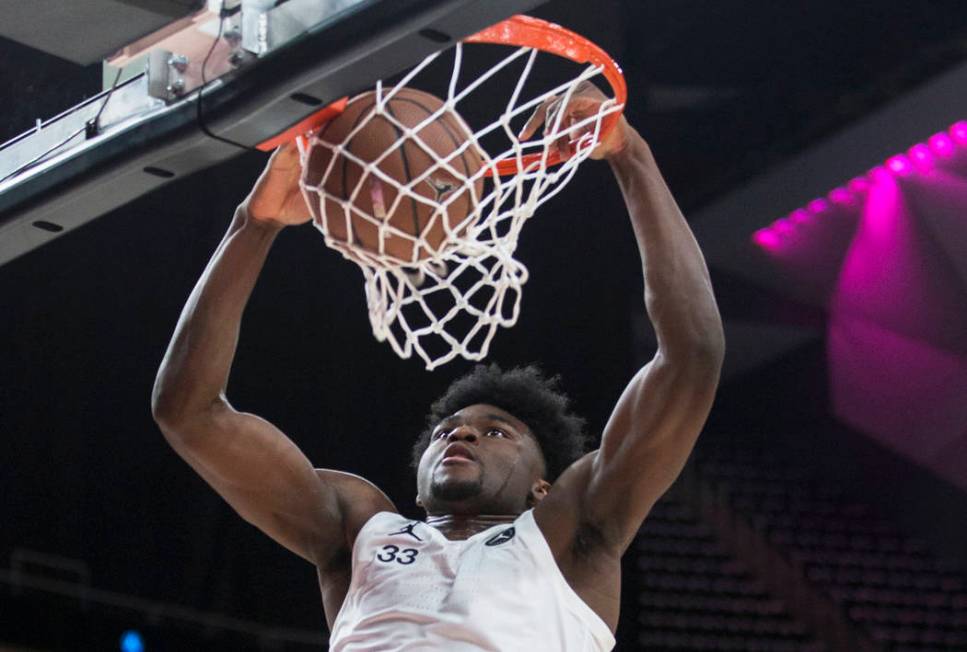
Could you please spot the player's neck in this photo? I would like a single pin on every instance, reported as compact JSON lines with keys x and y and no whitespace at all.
{"x":458,"y":527}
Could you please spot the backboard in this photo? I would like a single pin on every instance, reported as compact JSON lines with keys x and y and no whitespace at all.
{"x":269,"y":65}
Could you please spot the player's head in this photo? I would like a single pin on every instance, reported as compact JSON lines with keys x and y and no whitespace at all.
{"x":516,"y":427}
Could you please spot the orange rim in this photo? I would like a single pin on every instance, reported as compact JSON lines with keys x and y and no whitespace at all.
{"x":311,"y":123}
{"x":519,"y":31}
{"x":524,"y":31}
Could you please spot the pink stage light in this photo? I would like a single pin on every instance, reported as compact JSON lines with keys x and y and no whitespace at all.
{"x":817,"y":206}
{"x":921,"y":157}
{"x":858,"y":186}
{"x":783,"y":227}
{"x":920,"y":154}
{"x":881,"y":203}
{"x":899,"y":164}
{"x":942,"y":145}
{"x":879,"y":174}
{"x":767,"y":238}
{"x":841,"y":196}
{"x":959,"y":132}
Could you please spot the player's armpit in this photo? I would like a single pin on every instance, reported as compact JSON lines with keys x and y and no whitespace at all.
{"x":264,"y":476}
{"x":359,"y":500}
{"x":647,"y":441}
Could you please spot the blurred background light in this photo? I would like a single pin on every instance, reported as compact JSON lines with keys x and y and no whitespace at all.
{"x":941,"y":144}
{"x":841,"y":196}
{"x":919,"y":158}
{"x":859,"y":185}
{"x":959,"y":132}
{"x":920,"y":154}
{"x":818,"y":206}
{"x":899,"y":164}
{"x":131,"y":641}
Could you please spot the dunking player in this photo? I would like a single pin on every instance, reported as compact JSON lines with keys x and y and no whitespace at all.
{"x":524,"y":532}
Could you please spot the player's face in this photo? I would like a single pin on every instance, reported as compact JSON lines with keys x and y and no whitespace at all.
{"x":481,"y":460}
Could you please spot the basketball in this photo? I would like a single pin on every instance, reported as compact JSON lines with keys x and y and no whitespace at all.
{"x":357,"y":207}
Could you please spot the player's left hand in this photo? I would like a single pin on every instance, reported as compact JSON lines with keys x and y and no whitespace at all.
{"x":584,"y":103}
{"x":276,"y":197}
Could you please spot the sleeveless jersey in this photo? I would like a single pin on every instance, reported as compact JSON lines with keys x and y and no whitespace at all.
{"x":500,"y":590}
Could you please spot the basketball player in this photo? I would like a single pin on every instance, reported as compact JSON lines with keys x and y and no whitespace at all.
{"x":522,"y":544}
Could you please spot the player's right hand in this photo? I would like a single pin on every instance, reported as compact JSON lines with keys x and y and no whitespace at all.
{"x":584,"y":103}
{"x":276,"y":197}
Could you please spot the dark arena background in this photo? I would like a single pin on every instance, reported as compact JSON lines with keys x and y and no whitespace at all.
{"x":819,"y":151}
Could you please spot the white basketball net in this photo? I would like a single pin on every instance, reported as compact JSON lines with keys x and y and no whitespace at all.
{"x":451,"y":301}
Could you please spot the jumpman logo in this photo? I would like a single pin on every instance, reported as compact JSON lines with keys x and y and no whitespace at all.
{"x":440,"y":187}
{"x":408,"y":530}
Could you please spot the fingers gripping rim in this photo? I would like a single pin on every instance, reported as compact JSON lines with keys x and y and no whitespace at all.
{"x":525,"y":31}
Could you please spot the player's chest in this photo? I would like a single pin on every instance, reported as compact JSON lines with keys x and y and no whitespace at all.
{"x":424,"y":568}
{"x":415,"y":548}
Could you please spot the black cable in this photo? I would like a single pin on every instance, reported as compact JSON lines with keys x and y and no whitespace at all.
{"x":223,"y":15}
{"x":90,"y":129}
{"x":40,"y":157}
{"x":93,"y":127}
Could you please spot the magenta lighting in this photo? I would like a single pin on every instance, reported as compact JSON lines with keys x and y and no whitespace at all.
{"x":900,"y":164}
{"x":959,"y":132}
{"x":919,"y":158}
{"x":942,"y":145}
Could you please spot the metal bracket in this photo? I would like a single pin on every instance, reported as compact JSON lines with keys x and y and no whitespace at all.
{"x":178,"y":53}
{"x":186,"y":55}
{"x":266,"y":27}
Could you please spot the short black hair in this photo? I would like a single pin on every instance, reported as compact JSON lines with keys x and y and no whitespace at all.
{"x":531,"y":397}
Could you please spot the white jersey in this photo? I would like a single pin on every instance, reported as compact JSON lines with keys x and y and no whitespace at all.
{"x":501,"y":590}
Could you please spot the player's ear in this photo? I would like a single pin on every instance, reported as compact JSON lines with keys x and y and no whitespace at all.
{"x":419,"y":501}
{"x":539,"y":491}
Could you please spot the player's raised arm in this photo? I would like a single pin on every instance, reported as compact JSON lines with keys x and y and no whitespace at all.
{"x":660,"y":414}
{"x":247,"y":460}
{"x":657,"y":420}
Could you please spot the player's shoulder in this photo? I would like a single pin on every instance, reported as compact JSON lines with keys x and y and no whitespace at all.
{"x":359,"y":499}
{"x":576,"y":476}
{"x":563,"y":503}
{"x":565,"y":517}
{"x":356,"y":489}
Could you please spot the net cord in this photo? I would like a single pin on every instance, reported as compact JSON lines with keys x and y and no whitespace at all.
{"x":449,"y":300}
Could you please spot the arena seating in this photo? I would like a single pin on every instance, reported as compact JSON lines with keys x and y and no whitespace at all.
{"x":889,"y":587}
{"x":695,"y":596}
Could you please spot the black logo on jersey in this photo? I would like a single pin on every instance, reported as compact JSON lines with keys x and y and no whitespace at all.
{"x":501,"y":537}
{"x":408,"y":530}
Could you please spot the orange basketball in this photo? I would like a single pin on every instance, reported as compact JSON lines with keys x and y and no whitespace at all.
{"x":415,"y":228}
